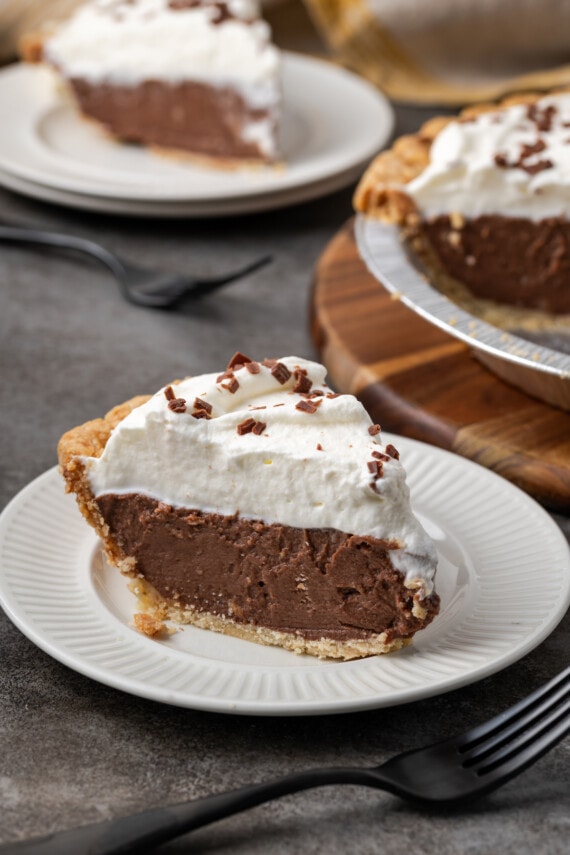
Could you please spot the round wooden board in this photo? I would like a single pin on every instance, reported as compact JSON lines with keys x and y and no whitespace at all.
{"x":416,"y":380}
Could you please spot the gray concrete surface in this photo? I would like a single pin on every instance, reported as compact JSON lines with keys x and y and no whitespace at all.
{"x":74,"y":751}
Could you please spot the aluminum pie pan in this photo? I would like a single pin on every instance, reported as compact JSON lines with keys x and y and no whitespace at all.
{"x":537,"y":369}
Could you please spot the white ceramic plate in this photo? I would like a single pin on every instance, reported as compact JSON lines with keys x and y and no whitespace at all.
{"x":333,"y":123}
{"x":172,"y":210}
{"x":504,"y":581}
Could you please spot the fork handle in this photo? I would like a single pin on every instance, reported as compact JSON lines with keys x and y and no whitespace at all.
{"x":139,"y":832}
{"x":38,"y":237}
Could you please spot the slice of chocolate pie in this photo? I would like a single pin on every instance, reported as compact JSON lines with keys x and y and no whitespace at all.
{"x":200,"y":77}
{"x":260,"y":504}
{"x":485,"y":198}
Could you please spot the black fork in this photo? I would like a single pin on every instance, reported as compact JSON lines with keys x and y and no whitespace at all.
{"x":446,"y":774}
{"x":155,"y":289}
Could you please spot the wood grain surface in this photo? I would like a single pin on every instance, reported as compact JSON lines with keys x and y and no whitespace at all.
{"x":417,"y":381}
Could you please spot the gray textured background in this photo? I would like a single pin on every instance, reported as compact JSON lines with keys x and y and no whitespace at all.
{"x":73,"y":751}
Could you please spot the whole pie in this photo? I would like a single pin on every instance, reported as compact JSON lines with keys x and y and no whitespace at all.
{"x":485,"y":199}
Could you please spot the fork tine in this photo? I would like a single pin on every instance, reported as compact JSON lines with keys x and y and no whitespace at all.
{"x":519,"y":727}
{"x":498,"y":775}
{"x":488,"y":729}
{"x":526,"y":741}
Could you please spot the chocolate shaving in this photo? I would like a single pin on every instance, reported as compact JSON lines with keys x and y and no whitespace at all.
{"x":542,"y":117}
{"x":307,"y":406}
{"x":199,"y":404}
{"x":379,"y":456}
{"x":392,"y":451}
{"x":251,"y":426}
{"x":374,"y":467}
{"x":280,"y":372}
{"x":202,"y":409}
{"x":253,"y":367}
{"x":232,"y":385}
{"x":269,"y":363}
{"x":177,"y":405}
{"x":169,"y":393}
{"x":303,"y":383}
{"x":228,"y":381}
{"x":533,"y":168}
{"x":238,"y":360}
{"x":319,"y":447}
{"x":220,"y":9}
{"x":373,"y":430}
{"x":332,"y":395}
{"x":245,"y":426}
{"x":528,"y":150}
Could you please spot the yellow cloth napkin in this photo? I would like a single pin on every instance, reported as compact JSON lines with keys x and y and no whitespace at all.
{"x":449,"y":51}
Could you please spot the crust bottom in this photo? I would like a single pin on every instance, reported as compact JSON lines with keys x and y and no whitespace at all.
{"x":151,"y":603}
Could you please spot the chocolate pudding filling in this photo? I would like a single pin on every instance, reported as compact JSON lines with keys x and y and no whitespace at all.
{"x":189,"y":116}
{"x":309,"y":582}
{"x":512,"y":261}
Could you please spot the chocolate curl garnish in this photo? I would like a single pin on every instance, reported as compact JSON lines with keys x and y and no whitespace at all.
{"x":199,"y":404}
{"x":237,"y":361}
{"x":280,"y":372}
{"x":303,"y":383}
{"x":542,"y":117}
{"x":374,"y":430}
{"x":245,"y":426}
{"x":228,"y":381}
{"x":379,"y":456}
{"x":250,"y":426}
{"x":202,"y":409}
{"x":232,"y":385}
{"x":177,"y":405}
{"x":527,"y":151}
{"x":375,"y":468}
{"x":307,"y":406}
{"x":539,"y":166}
{"x":393,"y":452}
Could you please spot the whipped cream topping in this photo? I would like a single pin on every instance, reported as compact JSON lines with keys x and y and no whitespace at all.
{"x":512,"y":162}
{"x":270,"y":442}
{"x":122,"y":42}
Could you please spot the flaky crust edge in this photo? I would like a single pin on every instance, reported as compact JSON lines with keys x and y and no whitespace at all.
{"x":381,"y":193}
{"x":89,"y":440}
